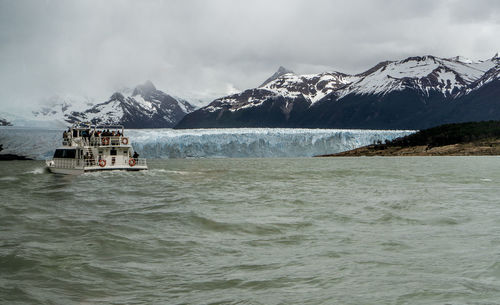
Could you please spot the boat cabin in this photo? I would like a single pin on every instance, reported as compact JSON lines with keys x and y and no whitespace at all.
{"x":96,"y":147}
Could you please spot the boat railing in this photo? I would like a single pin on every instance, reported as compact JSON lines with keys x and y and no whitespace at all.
{"x":89,"y":162}
{"x":107,"y":141}
{"x":93,"y":162}
{"x":140,"y":162}
{"x":97,"y":141}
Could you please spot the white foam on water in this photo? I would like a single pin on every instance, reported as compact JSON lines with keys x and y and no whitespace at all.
{"x":37,"y":171}
{"x":182,"y":172}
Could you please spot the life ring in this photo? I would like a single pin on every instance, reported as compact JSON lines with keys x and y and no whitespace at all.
{"x":102,"y":163}
{"x":131,"y":162}
{"x":105,"y":141}
{"x":124,"y":141}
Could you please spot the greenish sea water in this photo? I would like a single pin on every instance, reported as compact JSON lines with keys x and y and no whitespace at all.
{"x":414,"y":230}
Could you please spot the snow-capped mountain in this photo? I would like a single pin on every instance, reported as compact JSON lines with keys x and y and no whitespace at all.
{"x":142,"y":107}
{"x":491,"y":75}
{"x":423,"y":73}
{"x":281,"y":71}
{"x":284,"y":94}
{"x":4,"y":122}
{"x":28,"y":119}
{"x":288,"y":85}
{"x":56,"y":108}
{"x":392,"y":94}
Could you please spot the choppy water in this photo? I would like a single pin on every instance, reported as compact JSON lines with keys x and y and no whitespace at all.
{"x":254,"y":231}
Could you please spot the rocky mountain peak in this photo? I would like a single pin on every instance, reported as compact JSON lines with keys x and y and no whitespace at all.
{"x":145,"y":89}
{"x":418,"y":59}
{"x":377,"y":67}
{"x":462,"y":59}
{"x":4,"y":122}
{"x":117,"y":96}
{"x":281,"y":71}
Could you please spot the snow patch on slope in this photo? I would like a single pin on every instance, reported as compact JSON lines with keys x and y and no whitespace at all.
{"x":312,"y":87}
{"x":108,"y":113}
{"x":57,"y":107}
{"x":426,"y":73}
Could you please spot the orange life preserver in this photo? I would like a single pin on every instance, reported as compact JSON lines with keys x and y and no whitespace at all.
{"x":105,"y":141}
{"x":131,"y":162}
{"x":102,"y":163}
{"x":125,"y":141}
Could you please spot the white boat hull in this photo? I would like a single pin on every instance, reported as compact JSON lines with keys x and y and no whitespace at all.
{"x":80,"y":170}
{"x":65,"y":171}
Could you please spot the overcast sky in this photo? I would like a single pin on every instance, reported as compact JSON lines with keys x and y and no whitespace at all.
{"x":209,"y":48}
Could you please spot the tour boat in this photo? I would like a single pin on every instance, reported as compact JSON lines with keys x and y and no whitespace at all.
{"x":90,"y":148}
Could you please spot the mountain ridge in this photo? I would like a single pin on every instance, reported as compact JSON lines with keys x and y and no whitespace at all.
{"x":415,"y":92}
{"x":4,"y":122}
{"x":143,"y":107}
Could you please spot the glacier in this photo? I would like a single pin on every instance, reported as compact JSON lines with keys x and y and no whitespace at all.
{"x":210,"y":143}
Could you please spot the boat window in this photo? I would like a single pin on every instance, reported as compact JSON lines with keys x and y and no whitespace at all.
{"x":113,"y":152}
{"x":65,"y":153}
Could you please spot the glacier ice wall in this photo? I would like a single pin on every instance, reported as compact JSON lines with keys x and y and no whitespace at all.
{"x":210,"y":143}
{"x":35,"y":143}
{"x":253,"y":142}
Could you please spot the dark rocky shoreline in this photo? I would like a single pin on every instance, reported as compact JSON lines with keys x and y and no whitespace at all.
{"x":11,"y":157}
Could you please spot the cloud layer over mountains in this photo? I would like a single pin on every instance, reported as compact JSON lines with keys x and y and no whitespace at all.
{"x":206,"y":49}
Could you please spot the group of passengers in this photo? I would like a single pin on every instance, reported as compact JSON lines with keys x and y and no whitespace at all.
{"x":90,"y":157}
{"x":89,"y":133}
{"x":107,"y":133}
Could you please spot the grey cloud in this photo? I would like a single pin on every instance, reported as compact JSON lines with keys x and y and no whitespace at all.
{"x":205,"y":48}
{"x":480,"y":11}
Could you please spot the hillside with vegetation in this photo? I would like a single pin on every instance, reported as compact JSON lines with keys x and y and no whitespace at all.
{"x":458,"y":139}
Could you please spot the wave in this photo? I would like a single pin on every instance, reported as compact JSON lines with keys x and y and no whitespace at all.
{"x":38,"y":171}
